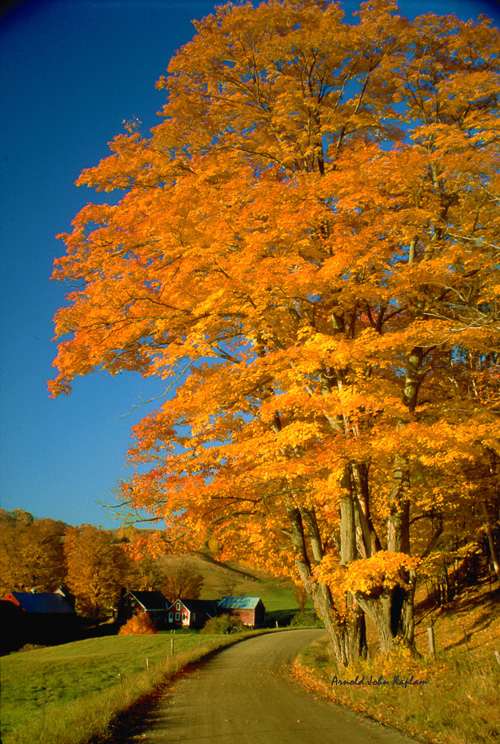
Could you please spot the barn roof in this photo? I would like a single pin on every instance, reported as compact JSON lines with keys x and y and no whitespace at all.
{"x":43,"y":602}
{"x":150,"y":600}
{"x":239,"y":603}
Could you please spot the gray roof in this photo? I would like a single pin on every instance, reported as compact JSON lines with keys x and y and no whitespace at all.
{"x":239,"y":603}
{"x":42,"y":602}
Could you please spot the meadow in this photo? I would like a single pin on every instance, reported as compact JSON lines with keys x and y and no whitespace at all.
{"x":69,"y":693}
{"x":66,"y":694}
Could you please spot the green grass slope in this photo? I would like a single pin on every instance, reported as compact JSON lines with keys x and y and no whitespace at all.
{"x":66,"y":694}
{"x":222,"y":579}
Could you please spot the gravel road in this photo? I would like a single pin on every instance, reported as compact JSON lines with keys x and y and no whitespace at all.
{"x":244,"y":695}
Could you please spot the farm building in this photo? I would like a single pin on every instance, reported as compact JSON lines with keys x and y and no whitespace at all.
{"x":192,"y":613}
{"x":11,"y":622}
{"x":43,"y":618}
{"x":153,"y":603}
{"x":250,"y":610}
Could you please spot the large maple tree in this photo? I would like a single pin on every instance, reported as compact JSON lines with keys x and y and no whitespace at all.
{"x":306,"y":251}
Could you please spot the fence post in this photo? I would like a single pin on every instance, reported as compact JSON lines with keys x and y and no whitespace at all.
{"x":497,"y":656}
{"x":431,"y":641}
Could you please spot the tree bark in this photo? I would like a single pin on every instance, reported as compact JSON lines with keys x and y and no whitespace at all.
{"x":401,"y":616}
{"x":379,"y":610}
{"x":346,"y":629}
{"x":491,"y":541}
{"x":368,"y":541}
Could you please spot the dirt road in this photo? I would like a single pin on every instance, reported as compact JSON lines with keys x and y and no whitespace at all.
{"x":240,"y":696}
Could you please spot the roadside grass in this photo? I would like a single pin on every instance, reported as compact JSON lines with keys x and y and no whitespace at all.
{"x":460,"y":697}
{"x":67,"y":694}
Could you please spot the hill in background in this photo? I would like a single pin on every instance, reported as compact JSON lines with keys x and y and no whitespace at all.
{"x":223,"y":579}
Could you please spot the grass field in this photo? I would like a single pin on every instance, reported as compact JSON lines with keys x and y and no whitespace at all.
{"x":66,"y":694}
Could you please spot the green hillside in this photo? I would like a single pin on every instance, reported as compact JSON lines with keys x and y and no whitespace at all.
{"x":222,"y":579}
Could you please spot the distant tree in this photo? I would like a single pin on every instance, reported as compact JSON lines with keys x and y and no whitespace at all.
{"x":31,"y":553}
{"x":6,"y":516}
{"x":128,"y":533}
{"x":22,"y":517}
{"x":183,"y":580}
{"x":229,"y":583}
{"x":146,"y":573}
{"x":300,"y":595}
{"x":97,"y":569}
{"x":146,"y":570}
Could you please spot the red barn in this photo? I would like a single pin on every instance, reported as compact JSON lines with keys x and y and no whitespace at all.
{"x":250,"y":610}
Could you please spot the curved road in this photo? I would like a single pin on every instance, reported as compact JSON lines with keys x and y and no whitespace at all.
{"x":238,"y":696}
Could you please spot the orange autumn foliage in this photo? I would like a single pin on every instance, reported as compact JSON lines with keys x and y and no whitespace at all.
{"x":378,"y":574}
{"x":307,"y":253}
{"x":140,"y":624}
{"x":96,"y":569}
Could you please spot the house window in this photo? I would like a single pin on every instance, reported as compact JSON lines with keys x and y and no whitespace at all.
{"x":176,"y":615}
{"x":170,"y":616}
{"x":184,"y":616}
{"x":194,"y":615}
{"x":178,"y":606}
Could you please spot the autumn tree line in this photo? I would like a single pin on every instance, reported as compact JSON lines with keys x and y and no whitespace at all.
{"x":94,"y":564}
{"x":305,"y":249}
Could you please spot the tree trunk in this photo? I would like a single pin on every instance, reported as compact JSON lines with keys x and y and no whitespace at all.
{"x":368,"y":542}
{"x":406,"y":628}
{"x":399,"y":617}
{"x":491,"y":541}
{"x":379,"y":610}
{"x":393,"y":616}
{"x":346,"y":629}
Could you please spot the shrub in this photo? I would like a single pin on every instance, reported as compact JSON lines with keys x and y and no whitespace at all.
{"x":140,"y":624}
{"x":30,"y":647}
{"x":224,"y":624}
{"x":306,"y":619}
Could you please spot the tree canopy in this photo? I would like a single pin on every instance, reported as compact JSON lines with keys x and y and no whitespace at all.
{"x":307,"y":252}
{"x":31,"y":552}
{"x":97,"y":569}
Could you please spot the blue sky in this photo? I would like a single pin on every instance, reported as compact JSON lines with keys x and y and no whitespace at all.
{"x":71,"y":72}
